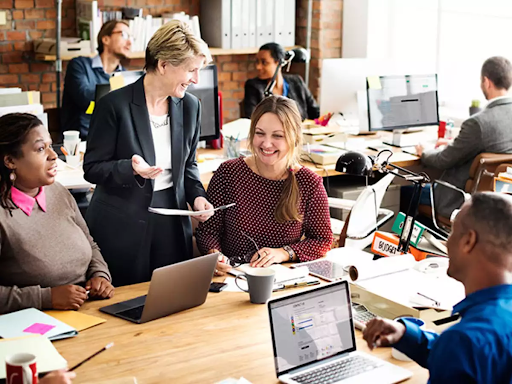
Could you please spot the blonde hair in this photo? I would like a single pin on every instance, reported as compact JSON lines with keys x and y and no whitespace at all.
{"x":288,"y":114}
{"x":174,"y":43}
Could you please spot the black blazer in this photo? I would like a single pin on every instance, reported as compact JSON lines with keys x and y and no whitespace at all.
{"x":118,"y":213}
{"x":298,"y":91}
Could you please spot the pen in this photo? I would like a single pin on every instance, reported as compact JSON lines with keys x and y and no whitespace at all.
{"x":64,"y":151}
{"x":110,"y":345}
{"x":225,"y":206}
{"x":436,"y":303}
{"x":300,"y":284}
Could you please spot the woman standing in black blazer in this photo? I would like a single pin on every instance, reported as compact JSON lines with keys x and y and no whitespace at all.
{"x":291,"y":86}
{"x":141,"y":152}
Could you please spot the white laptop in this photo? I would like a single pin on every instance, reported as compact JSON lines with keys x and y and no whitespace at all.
{"x":314,"y":340}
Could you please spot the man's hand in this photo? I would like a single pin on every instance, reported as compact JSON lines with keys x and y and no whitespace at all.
{"x":419,"y":150}
{"x":268,"y":257}
{"x":383,"y":332}
{"x":442,"y":142}
{"x":68,"y":297}
{"x":141,"y":168}
{"x":99,"y":288}
{"x":201,"y":204}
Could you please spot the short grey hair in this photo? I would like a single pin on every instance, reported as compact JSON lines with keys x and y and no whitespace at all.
{"x":490,"y":215}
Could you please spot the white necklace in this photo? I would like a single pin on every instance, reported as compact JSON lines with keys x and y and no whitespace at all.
{"x":160,"y":125}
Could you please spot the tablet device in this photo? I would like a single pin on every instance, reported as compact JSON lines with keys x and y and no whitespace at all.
{"x":326,"y":269}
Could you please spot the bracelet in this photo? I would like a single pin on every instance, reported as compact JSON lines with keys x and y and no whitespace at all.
{"x":290,"y":252}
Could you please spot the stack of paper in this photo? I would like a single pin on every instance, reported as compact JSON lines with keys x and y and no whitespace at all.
{"x":48,"y":359}
{"x":32,"y":321}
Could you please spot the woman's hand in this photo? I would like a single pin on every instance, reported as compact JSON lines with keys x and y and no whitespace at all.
{"x":68,"y":297}
{"x":201,"y":204}
{"x":141,"y":168}
{"x":99,"y":288}
{"x":223,"y":265}
{"x":58,"y":377}
{"x":269,"y":256}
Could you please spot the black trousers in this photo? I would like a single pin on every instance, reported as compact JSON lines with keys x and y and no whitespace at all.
{"x":165,"y":242}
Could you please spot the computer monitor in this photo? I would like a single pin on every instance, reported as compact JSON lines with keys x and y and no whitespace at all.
{"x":207,"y":91}
{"x":401,"y":102}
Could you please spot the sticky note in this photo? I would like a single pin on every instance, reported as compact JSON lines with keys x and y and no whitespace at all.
{"x":90,"y":109}
{"x":39,"y":328}
{"x":374,"y":82}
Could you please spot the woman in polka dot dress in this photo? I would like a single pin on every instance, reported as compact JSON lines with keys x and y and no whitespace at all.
{"x":281,"y":208}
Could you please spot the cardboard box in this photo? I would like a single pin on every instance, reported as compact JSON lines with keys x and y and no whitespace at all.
{"x":69,"y":46}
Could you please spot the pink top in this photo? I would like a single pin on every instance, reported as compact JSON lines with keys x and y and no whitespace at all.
{"x":26,"y":202}
{"x":256,"y":198}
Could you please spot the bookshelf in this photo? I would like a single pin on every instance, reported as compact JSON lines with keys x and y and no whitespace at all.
{"x":141,"y":55}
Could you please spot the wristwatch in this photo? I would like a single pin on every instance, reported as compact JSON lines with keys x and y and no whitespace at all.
{"x":290,"y":251}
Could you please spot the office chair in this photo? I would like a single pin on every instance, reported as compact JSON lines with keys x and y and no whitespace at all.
{"x":481,"y":178}
{"x":365,"y":215}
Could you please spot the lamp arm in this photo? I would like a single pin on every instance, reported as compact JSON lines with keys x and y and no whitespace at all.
{"x":270,"y":86}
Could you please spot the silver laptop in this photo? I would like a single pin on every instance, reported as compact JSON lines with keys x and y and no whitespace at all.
{"x":173,"y":288}
{"x":314,"y":340}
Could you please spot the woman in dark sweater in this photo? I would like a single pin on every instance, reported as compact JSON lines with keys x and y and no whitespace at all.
{"x":291,"y":86}
{"x":48,"y":260}
{"x":281,"y":207}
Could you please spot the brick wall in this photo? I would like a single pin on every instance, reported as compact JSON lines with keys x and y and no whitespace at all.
{"x":31,"y":19}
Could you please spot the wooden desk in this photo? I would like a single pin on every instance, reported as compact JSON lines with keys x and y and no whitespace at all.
{"x":225,"y":337}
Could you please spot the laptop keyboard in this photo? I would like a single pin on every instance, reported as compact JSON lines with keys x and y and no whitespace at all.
{"x":133,"y":313}
{"x":338,"y":371}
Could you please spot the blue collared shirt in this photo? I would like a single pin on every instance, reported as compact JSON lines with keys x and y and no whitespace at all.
{"x":478,"y":349}
{"x":82,"y":75}
{"x":286,"y":88}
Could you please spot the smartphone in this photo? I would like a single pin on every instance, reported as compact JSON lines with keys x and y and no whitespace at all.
{"x":217,"y":287}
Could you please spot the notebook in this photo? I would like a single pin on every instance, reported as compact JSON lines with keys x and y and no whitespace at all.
{"x":77,"y":320}
{"x":32,"y":321}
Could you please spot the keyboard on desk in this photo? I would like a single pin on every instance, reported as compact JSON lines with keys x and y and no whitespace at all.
{"x":338,"y":371}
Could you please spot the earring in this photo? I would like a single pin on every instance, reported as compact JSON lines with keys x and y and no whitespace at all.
{"x":12,"y":176}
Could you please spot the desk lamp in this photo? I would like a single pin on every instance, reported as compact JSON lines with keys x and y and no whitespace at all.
{"x":296,"y":55}
{"x":359,"y":164}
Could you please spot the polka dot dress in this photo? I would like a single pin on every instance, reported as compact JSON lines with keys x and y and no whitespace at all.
{"x":256,"y":199}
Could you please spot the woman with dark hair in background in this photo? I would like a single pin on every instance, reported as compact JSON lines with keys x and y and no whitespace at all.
{"x":291,"y":86}
{"x":281,"y":207}
{"x":48,"y":260}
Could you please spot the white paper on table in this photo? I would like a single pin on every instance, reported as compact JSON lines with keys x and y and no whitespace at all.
{"x":185,"y":212}
{"x":382,"y":266}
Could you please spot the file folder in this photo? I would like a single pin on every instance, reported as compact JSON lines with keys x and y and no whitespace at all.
{"x":216,"y":23}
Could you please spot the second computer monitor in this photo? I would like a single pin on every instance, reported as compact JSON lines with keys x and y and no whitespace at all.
{"x":400,"y":102}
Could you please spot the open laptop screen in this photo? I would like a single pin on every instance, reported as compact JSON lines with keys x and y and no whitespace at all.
{"x":311,"y":326}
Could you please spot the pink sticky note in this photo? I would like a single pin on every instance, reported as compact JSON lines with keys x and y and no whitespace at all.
{"x":39,"y":328}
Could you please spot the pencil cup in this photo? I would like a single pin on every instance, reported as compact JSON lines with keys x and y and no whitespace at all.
{"x":232,"y":148}
{"x":73,"y":161}
{"x":71,"y":135}
{"x":395,"y":352}
{"x":260,"y":282}
{"x":21,"y":368}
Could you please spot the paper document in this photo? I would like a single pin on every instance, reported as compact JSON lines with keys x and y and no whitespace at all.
{"x":186,"y":212}
{"x":77,"y":320}
{"x":284,"y":275}
{"x":48,"y":359}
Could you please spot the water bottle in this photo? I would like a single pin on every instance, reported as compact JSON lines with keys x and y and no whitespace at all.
{"x":449,"y":129}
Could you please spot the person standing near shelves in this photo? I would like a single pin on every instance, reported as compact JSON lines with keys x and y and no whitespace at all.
{"x":84,"y":73}
{"x":291,"y":86}
{"x":141,"y":153}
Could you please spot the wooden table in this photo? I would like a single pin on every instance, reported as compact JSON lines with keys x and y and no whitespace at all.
{"x":225,"y":337}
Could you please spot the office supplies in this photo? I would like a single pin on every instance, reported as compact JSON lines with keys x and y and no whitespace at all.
{"x":216,"y":22}
{"x":361,"y":316}
{"x":318,"y":344}
{"x":172,"y":289}
{"x":183,"y":212}
{"x":48,"y":359}
{"x":33,"y":321}
{"x":417,"y":231}
{"x":64,"y":151}
{"x":78,"y":320}
{"x":108,"y":346}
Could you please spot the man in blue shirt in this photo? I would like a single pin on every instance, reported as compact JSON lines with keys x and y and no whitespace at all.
{"x":83,"y":73}
{"x":478,"y":349}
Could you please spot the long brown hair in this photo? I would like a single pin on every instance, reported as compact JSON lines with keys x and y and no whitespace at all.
{"x":286,"y":111}
{"x":14,"y":128}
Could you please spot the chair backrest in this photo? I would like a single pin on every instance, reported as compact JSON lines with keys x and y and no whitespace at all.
{"x":363,"y":215}
{"x":482,"y":171}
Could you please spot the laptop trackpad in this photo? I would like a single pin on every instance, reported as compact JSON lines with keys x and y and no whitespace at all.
{"x":125,"y":305}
